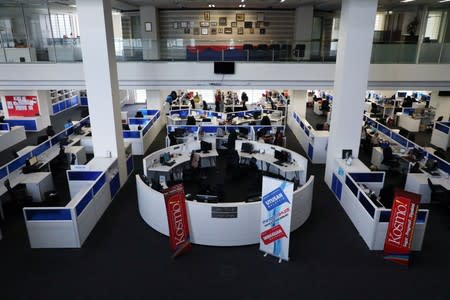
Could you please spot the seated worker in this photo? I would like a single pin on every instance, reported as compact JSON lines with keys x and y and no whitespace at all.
{"x":375,"y":139}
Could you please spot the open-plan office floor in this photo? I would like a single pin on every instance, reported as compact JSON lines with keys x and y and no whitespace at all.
{"x":124,"y":258}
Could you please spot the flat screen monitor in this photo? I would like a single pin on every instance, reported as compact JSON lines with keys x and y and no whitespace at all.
{"x":247,"y":148}
{"x":223,"y":67}
{"x":205,"y":146}
{"x":180,"y":132}
{"x":32,"y":161}
{"x":278,"y":155}
{"x":401,"y":94}
{"x":207,"y":198}
{"x":166,"y":157}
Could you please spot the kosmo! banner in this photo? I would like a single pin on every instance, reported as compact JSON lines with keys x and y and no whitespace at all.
{"x":397,"y":246}
{"x":275,"y":227}
{"x":177,"y":219}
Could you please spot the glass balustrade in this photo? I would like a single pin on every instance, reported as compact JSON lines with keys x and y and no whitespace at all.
{"x":55,"y":50}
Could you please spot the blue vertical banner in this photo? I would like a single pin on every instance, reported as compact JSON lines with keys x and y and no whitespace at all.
{"x":275,"y":227}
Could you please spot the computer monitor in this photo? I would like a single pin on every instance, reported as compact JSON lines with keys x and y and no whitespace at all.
{"x":205,"y":146}
{"x":243,"y":131}
{"x":179,"y":132}
{"x":166,"y":157}
{"x":278,"y":155}
{"x":32,"y":161}
{"x":247,"y":147}
{"x":207,"y":198}
{"x":401,"y":94}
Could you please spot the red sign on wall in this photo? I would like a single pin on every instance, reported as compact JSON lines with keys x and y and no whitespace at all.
{"x":177,"y":219}
{"x":400,"y":232}
{"x":22,"y":106}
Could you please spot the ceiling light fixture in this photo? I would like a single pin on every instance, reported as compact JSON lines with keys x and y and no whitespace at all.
{"x":406,"y":1}
{"x":211,"y":5}
{"x":281,"y":1}
{"x":442,"y":1}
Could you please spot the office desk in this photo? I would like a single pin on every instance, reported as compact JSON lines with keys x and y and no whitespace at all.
{"x":418,"y":183}
{"x":9,"y":138}
{"x":25,"y":150}
{"x":79,"y":152}
{"x":37,"y":184}
{"x":409,"y":123}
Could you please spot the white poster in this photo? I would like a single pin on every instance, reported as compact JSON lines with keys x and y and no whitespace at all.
{"x":276,"y":204}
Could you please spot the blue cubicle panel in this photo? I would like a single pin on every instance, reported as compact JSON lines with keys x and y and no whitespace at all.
{"x":130,"y":165}
{"x":4,"y":126}
{"x":84,"y":202}
{"x":18,"y":163}
{"x":114,"y":185}
{"x":310,"y":151}
{"x":3,"y":172}
{"x":385,"y":216}
{"x":41,"y":148}
{"x":148,"y":112}
{"x":29,"y":125}
{"x":442,"y":127}
{"x":384,"y":130}
{"x":84,"y":101}
{"x":99,"y":184}
{"x":43,"y":214}
{"x":83,"y":175}
{"x":137,"y":121}
{"x":368,"y":177}
{"x":399,"y":139}
{"x":210,"y":129}
{"x":131,"y":134}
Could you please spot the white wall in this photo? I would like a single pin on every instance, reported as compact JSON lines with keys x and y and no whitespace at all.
{"x":442,"y":105}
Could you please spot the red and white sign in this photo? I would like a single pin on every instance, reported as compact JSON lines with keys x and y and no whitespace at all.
{"x":400,"y":232}
{"x":177,"y":219}
{"x":22,"y":106}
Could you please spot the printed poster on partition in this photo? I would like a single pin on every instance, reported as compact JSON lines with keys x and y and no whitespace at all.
{"x":275,"y":227}
{"x":22,"y":106}
{"x":400,"y":232}
{"x":177,"y":218}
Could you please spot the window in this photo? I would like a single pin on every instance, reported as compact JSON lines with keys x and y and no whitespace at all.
{"x":380,"y":19}
{"x":141,"y":96}
{"x":433,"y":25}
{"x":64,"y":25}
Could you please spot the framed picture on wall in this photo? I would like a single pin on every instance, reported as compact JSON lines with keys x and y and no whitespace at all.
{"x":240,"y":30}
{"x":213,"y":23}
{"x":206,"y":15}
{"x":248,"y":24}
{"x":196,"y":31}
{"x":148,"y":26}
{"x":184,"y":24}
{"x":240,"y":17}
{"x":260,"y":17}
{"x":175,"y":25}
{"x":213,"y":31}
{"x":204,"y":30}
{"x":228,"y":30}
{"x":220,"y":30}
{"x":204,"y":24}
{"x":233,"y":24}
{"x":223,"y":21}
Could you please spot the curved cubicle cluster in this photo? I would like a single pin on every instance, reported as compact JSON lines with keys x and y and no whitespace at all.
{"x":204,"y":228}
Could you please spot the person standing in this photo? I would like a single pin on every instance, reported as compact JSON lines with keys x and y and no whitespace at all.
{"x":218,"y":100}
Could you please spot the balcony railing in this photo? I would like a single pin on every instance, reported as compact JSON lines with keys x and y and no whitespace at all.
{"x":69,"y":50}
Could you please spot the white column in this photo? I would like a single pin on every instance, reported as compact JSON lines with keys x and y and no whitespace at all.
{"x":155,"y":100}
{"x":45,"y":107}
{"x":350,"y":79}
{"x":298,"y":102}
{"x":150,"y":41}
{"x":100,"y":73}
{"x":304,"y":16}
{"x":442,"y":105}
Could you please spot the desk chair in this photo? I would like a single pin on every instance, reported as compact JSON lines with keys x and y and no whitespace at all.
{"x":389,"y":159}
{"x":18,"y":194}
{"x":439,"y":194}
{"x":190,"y":120}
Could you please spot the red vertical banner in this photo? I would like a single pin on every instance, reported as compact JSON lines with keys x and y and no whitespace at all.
{"x":177,"y":219}
{"x":22,"y":106}
{"x":400,"y":232}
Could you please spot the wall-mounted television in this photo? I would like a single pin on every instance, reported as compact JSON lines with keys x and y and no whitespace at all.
{"x":223,"y":67}
{"x":444,"y":93}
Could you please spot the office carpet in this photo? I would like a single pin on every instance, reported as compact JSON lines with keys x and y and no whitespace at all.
{"x":124,"y":258}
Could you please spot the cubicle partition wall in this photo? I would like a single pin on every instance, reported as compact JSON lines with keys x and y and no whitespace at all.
{"x":352,"y":186}
{"x":314,"y":142}
{"x":45,"y":152}
{"x":440,"y":136}
{"x":9,"y":136}
{"x":63,"y":105}
{"x":32,"y":124}
{"x":141,"y":139}
{"x":84,"y":101}
{"x":69,"y":226}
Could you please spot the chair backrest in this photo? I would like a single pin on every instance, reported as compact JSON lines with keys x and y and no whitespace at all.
{"x":387,"y":153}
{"x":247,"y":47}
{"x":431,"y":185}
{"x":190,"y":120}
{"x":440,"y":118}
{"x":139,"y":114}
{"x":195,"y":160}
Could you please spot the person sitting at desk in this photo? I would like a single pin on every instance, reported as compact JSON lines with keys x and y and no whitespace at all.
{"x":265,"y":121}
{"x":375,"y":139}
{"x":50,"y":131}
{"x":205,"y":105}
{"x":244,"y":99}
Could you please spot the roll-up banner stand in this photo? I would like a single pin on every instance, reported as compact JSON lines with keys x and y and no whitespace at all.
{"x":177,"y":219}
{"x":275,"y":224}
{"x":400,"y":232}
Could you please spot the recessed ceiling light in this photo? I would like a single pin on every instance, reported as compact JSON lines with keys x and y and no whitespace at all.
{"x":242,"y":0}
{"x":282,"y":1}
{"x":442,"y":1}
{"x":406,"y":1}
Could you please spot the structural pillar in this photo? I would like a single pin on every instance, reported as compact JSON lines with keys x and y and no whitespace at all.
{"x":442,"y":105}
{"x":304,"y":16}
{"x":100,"y":74}
{"x":155,"y":100}
{"x":298,"y":102}
{"x":350,"y":79}
{"x":149,"y":29}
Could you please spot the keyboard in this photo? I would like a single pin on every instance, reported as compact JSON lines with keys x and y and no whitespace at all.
{"x":170,"y":163}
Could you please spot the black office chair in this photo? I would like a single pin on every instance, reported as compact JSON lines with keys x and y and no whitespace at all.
{"x":50,"y":131}
{"x":440,"y":118}
{"x":41,"y":139}
{"x":389,"y":159}
{"x":18,"y":194}
{"x":190,"y":120}
{"x":172,"y":138}
{"x":299,"y":51}
{"x":139,"y":114}
{"x":439,"y":194}
{"x":84,"y":113}
{"x":265,"y":121}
